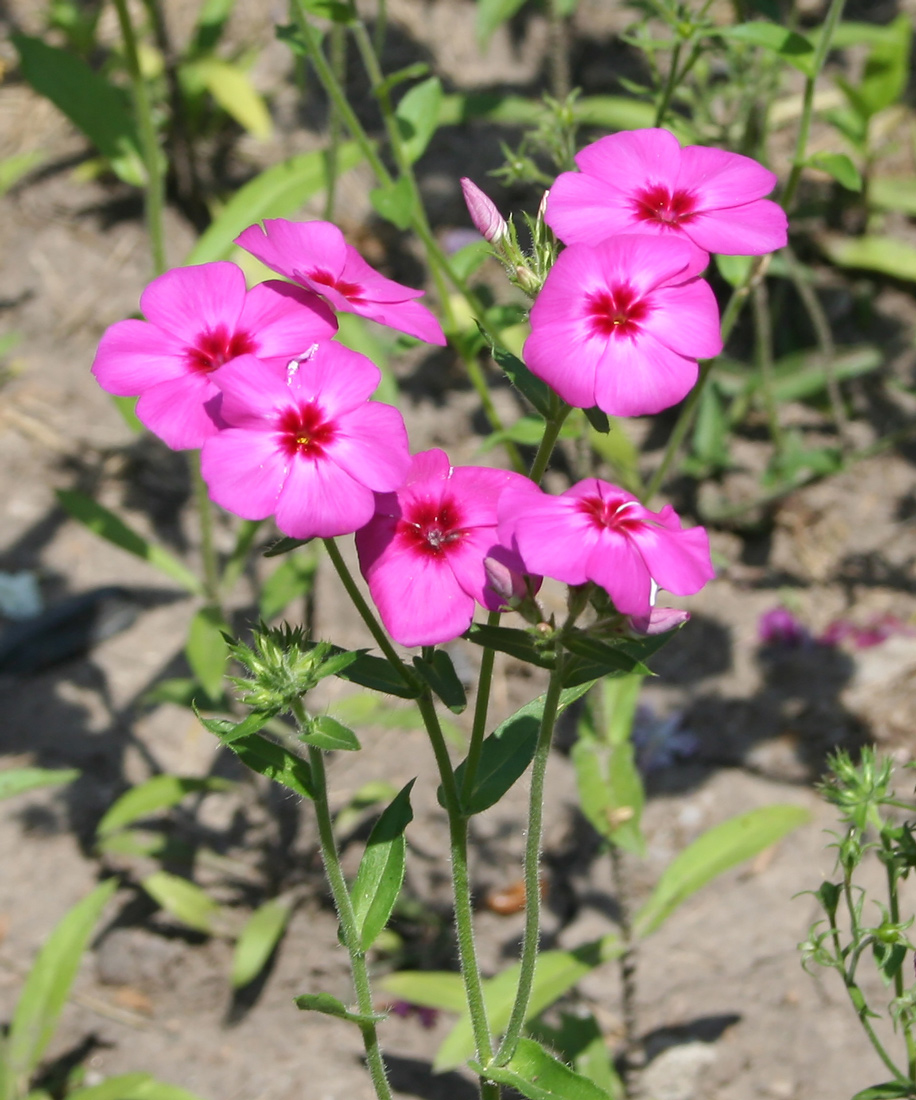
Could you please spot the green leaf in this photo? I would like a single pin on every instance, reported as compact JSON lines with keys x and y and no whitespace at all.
{"x":334,"y":10}
{"x":441,"y":989}
{"x":13,"y":168}
{"x":611,"y":793}
{"x":734,"y":269}
{"x":228,"y":731}
{"x":92,"y":104}
{"x":207,"y":650}
{"x":840,"y":167}
{"x":417,"y":117}
{"x":330,"y":1006}
{"x":802,"y":375}
{"x":381,"y":870}
{"x":15,"y":781}
{"x":537,"y":392}
{"x":49,"y":982}
{"x":791,"y":46}
{"x":278,"y":192}
{"x":507,"y":752}
{"x":528,"y":430}
{"x":467,"y":260}
{"x":893,"y":193}
{"x":257,"y":940}
{"x":232,"y":89}
{"x":211,"y":21}
{"x":710,"y":436}
{"x":517,"y":643}
{"x":158,"y":793}
{"x":886,"y":68}
{"x":581,"y":1042}
{"x":441,"y":676}
{"x":608,"y":658}
{"x":539,"y":1076}
{"x":127,"y":406}
{"x":720,"y":848}
{"x":395,"y":203}
{"x":122,"y":1087}
{"x":886,"y":255}
{"x":490,"y":14}
{"x":274,"y":762}
{"x":327,"y":733}
{"x":107,"y":525}
{"x":292,"y":579}
{"x":890,"y":1090}
{"x":183,"y":900}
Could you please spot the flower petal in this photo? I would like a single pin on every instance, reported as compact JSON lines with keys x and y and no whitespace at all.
{"x":685,"y":318}
{"x":621,"y":571}
{"x":720,"y":179}
{"x":337,"y":377}
{"x":320,"y":500}
{"x":551,"y":535}
{"x":190,"y":301}
{"x":679,"y":561}
{"x":244,"y":471}
{"x":639,"y":376}
{"x":749,"y":230}
{"x":284,"y":319}
{"x":371,"y":445}
{"x":408,"y":317}
{"x":135,"y":355}
{"x":641,"y":157}
{"x":177,"y":411}
{"x":254,"y":391}
{"x":582,"y":209}
{"x":294,"y":247}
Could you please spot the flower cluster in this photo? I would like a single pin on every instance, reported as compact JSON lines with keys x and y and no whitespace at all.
{"x":284,"y":419}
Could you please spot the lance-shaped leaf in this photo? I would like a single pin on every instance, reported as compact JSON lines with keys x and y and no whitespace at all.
{"x":49,"y":982}
{"x":159,"y":793}
{"x":441,"y":676}
{"x":331,"y":1006}
{"x":417,"y":117}
{"x":520,"y":644}
{"x":19,"y":780}
{"x":207,"y":650}
{"x":184,"y":900}
{"x":132,"y":1086}
{"x":232,"y":89}
{"x":381,"y":870}
{"x":327,"y":733}
{"x":257,"y":940}
{"x":539,"y":1076}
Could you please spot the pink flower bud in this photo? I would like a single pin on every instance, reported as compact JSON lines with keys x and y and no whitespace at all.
{"x":659,"y":621}
{"x":508,"y":584}
{"x":484,"y":214}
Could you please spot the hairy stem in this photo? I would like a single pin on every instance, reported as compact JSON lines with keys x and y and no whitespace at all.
{"x":627,"y":966}
{"x":481,"y":706}
{"x":208,"y":553}
{"x":549,"y":439}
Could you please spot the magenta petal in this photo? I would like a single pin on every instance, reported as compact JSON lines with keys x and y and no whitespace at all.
{"x":550,"y":534}
{"x":253,"y":391}
{"x":294,"y":247}
{"x":582,"y":209}
{"x":375,"y":286}
{"x":419,"y":599}
{"x":620,"y":570}
{"x":371,"y":445}
{"x":685,"y":318}
{"x":189,"y":301}
{"x":641,"y":156}
{"x":176,"y":411}
{"x":679,"y":561}
{"x":429,"y":465}
{"x":244,"y":472}
{"x":643,"y":260}
{"x":640,"y":376}
{"x":479,"y":489}
{"x":337,"y":377}
{"x":408,"y":317}
{"x":720,"y":179}
{"x":320,"y":500}
{"x":285,"y":320}
{"x":134,"y":355}
{"x":749,"y":230}
{"x":466,"y":561}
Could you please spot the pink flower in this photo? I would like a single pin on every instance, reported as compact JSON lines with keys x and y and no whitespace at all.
{"x":642,"y":181}
{"x":198,"y":318}
{"x":315,"y":255}
{"x":621,"y":325}
{"x":304,"y":443}
{"x":423,"y":552}
{"x":488,"y":220}
{"x":597,"y":532}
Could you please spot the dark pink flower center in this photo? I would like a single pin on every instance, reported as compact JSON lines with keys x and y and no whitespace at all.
{"x":615,"y":514}
{"x":430,"y":528}
{"x":325,"y":278}
{"x":305,"y":431}
{"x":658,"y":204}
{"x":216,"y":347}
{"x":615,"y":311}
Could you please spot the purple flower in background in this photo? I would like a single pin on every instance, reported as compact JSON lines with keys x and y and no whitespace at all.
{"x":780,"y":628}
{"x":878,"y":630}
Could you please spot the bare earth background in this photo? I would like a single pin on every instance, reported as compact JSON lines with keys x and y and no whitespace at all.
{"x":726,"y":1007}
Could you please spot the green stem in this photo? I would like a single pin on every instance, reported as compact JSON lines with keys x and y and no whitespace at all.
{"x":894,"y":905}
{"x":549,"y":439}
{"x":834,"y":14}
{"x":347,"y":918}
{"x":531,"y":935}
{"x":207,"y":548}
{"x":670,"y":84}
{"x":763,"y":354}
{"x":155,"y":181}
{"x":481,"y":706}
{"x":339,"y":68}
{"x":464,"y":917}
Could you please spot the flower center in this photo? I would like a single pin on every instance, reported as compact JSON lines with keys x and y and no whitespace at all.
{"x":614,"y":514}
{"x":303,"y":430}
{"x":216,"y":347}
{"x":658,"y":204}
{"x":615,"y":311}
{"x":325,"y":278}
{"x":430,"y":528}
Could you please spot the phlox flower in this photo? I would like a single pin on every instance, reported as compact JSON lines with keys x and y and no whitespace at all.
{"x":597,"y":532}
{"x":642,"y":181}
{"x":315,"y":255}
{"x":621,"y":325}
{"x":303,"y":442}
{"x":423,"y":551}
{"x":199,"y":318}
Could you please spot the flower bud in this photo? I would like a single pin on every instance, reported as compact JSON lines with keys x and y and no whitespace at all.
{"x":508,"y":584}
{"x":659,"y":621}
{"x":484,"y":214}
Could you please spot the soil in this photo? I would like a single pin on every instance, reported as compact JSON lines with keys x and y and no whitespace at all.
{"x":724,"y":1008}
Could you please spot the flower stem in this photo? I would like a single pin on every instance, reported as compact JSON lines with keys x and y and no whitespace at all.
{"x":481,"y":705}
{"x":349,"y":931}
{"x":670,"y":85}
{"x":549,"y":439}
{"x":531,"y":936}
{"x":205,"y":515}
{"x":155,"y":181}
{"x":894,"y":904}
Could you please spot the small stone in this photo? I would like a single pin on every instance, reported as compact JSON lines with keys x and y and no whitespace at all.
{"x":675,"y":1074}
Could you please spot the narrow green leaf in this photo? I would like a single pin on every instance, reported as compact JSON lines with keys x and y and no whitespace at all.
{"x":284,"y":545}
{"x":442,"y":989}
{"x":840,"y":167}
{"x":893,"y":193}
{"x":294,"y":578}
{"x":517,"y":643}
{"x":13,"y":168}
{"x":417,"y":116}
{"x":886,"y":255}
{"x":232,"y":89}
{"x":441,"y":676}
{"x":539,"y":1076}
{"x":211,"y":21}
{"x":122,"y":1087}
{"x":609,"y":657}
{"x":528,"y":430}
{"x":127,"y":406}
{"x":886,"y":67}
{"x":394,"y":203}
{"x":92,"y":104}
{"x":720,"y":848}
{"x":334,"y":10}
{"x":327,"y":733}
{"x":381,"y":870}
{"x":278,"y":192}
{"x":49,"y":982}
{"x":791,"y":46}
{"x":257,"y":940}
{"x":598,"y":420}
{"x":492,"y":13}
{"x":580,"y":1042}
{"x":734,"y":269}
{"x":183,"y":900}
{"x":108,"y":526}
{"x":331,"y":1006}
{"x":274,"y":762}
{"x":158,"y":793}
{"x":611,"y":793}
{"x":207,"y":650}
{"x":228,"y":731}
{"x":890,"y":1090}
{"x":15,"y":781}
{"x":529,"y":385}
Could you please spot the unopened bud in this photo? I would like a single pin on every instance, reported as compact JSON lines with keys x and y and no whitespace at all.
{"x":527,"y":280}
{"x":484,"y":215}
{"x":542,"y":206}
{"x":659,"y":621}
{"x":508,"y":584}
